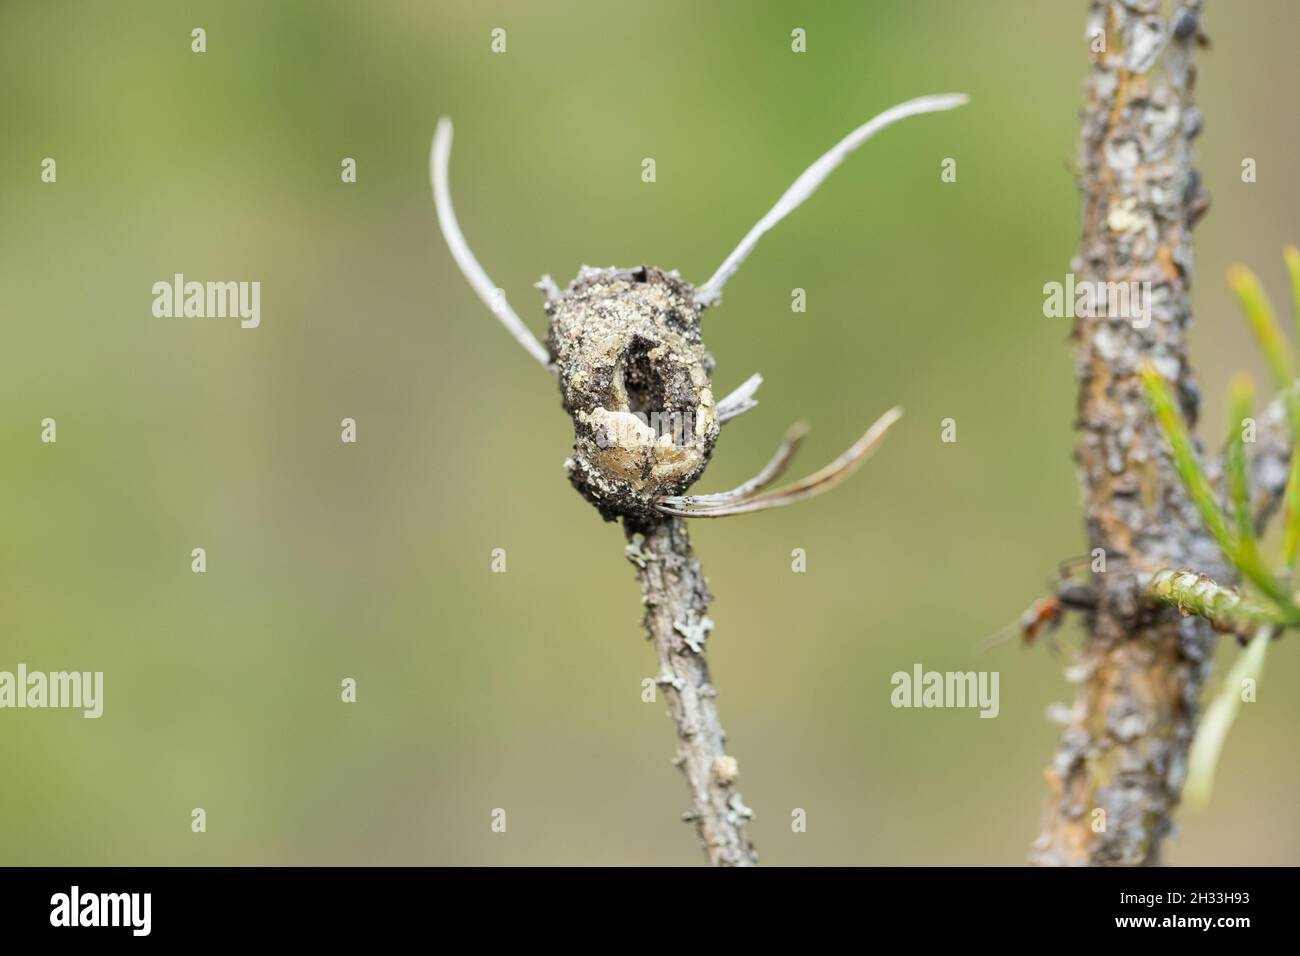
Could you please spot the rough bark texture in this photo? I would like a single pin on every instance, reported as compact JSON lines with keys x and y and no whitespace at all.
{"x":1124,"y":750}
{"x":676,"y":598}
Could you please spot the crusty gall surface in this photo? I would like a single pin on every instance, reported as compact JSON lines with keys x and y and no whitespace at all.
{"x":635,"y":378}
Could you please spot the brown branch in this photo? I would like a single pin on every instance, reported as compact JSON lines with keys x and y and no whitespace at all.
{"x":676,"y":598}
{"x":1119,"y":770}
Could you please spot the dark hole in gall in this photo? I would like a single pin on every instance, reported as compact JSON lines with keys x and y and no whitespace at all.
{"x":646,"y":395}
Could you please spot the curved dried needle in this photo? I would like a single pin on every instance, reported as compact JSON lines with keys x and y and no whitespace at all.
{"x":493,"y":297}
{"x":766,"y":475}
{"x":711,"y":292}
{"x":818,"y":482}
{"x":740,"y":400}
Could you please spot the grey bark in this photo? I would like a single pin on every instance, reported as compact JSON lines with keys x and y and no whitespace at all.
{"x":1120,"y":767}
{"x":676,"y":598}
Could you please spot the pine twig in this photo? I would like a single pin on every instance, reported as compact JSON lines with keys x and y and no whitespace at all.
{"x":626,"y":347}
{"x":676,"y":598}
{"x":1120,"y":757}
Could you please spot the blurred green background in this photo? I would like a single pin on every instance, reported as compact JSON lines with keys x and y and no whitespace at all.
{"x":522,"y":690}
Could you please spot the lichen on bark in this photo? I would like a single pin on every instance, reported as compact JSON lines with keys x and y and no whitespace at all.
{"x":1121,"y":763}
{"x":676,"y":597}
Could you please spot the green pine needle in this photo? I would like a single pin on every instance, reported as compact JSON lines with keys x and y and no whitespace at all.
{"x":1263,"y":322}
{"x":1188,"y":465}
{"x":1219,"y":718}
{"x":1186,"y":461}
{"x":1242,"y":391}
{"x":1292,"y":256}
